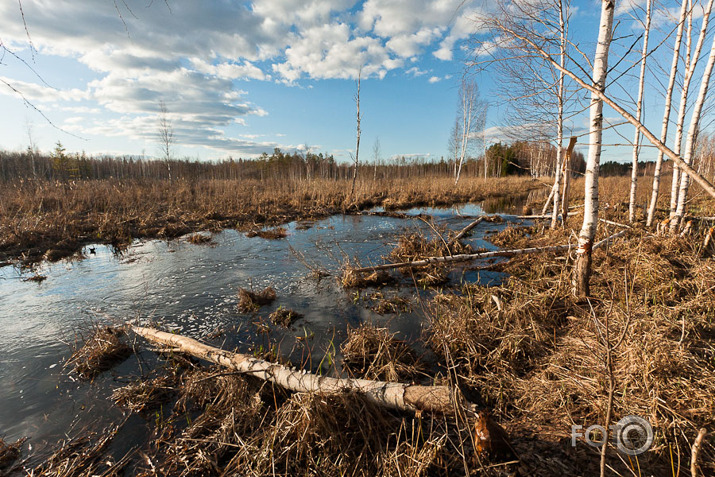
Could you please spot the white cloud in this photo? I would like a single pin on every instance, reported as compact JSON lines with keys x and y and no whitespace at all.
{"x":435,"y":79}
{"x":191,"y":55}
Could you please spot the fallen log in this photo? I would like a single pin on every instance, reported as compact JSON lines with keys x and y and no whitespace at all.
{"x":465,"y":230}
{"x":406,"y":397}
{"x":468,"y":257}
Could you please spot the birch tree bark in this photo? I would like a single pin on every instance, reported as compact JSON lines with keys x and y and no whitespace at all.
{"x":563,"y":34}
{"x":666,"y":114}
{"x":582,"y":271}
{"x":691,"y":62}
{"x":639,"y":110}
{"x":690,"y":143}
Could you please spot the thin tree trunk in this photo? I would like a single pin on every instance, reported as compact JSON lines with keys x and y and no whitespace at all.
{"x":394,"y":395}
{"x":582,"y":272}
{"x":666,"y":114}
{"x":690,"y":143}
{"x":357,"y":146}
{"x":636,"y":140}
{"x":691,"y":64}
{"x":567,"y":180}
{"x":560,"y":118}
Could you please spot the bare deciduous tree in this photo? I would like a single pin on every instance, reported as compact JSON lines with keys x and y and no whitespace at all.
{"x":356,"y":157}
{"x":165,"y":135}
{"x":582,"y":272}
{"x":639,"y":110}
{"x":471,"y":117}
{"x":666,"y":114}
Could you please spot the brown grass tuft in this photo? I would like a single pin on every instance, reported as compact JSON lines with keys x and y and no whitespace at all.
{"x":284,"y":316}
{"x":200,"y":238}
{"x":249,"y":301}
{"x":352,"y":279}
{"x":273,"y":234}
{"x":103,"y":350}
{"x":374,"y":353}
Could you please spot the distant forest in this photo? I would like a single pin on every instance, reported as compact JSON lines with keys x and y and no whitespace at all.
{"x":520,"y":158}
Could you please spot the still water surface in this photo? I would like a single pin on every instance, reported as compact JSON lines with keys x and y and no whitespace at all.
{"x":192,"y":289}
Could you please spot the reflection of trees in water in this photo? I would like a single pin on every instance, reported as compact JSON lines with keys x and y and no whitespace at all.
{"x":506,"y":204}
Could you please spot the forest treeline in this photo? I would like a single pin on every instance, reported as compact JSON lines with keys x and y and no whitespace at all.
{"x":520,"y":158}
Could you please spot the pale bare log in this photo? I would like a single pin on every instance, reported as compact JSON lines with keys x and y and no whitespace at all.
{"x":404,"y":397}
{"x":465,"y":230}
{"x":468,"y":257}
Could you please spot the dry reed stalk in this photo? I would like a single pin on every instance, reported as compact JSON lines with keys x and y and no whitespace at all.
{"x":103,"y":350}
{"x":374,"y":353}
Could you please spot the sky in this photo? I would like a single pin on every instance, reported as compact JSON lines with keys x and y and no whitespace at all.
{"x":240,"y":78}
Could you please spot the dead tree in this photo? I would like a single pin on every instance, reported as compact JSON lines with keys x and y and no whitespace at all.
{"x":356,"y":158}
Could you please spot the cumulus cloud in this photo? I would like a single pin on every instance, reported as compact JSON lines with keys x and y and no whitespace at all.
{"x":193,"y":55}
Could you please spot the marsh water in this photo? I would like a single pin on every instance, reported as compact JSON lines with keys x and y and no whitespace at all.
{"x":192,"y":289}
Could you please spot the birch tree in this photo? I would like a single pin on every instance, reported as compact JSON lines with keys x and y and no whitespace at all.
{"x":471,"y":115}
{"x":356,"y":158}
{"x":666,"y":114}
{"x":536,"y":92}
{"x":691,"y":62}
{"x":692,"y":136}
{"x":165,"y":136}
{"x":639,"y":110}
{"x":582,"y":271}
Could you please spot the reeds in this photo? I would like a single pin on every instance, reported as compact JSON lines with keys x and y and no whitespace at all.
{"x":374,"y":353}
{"x":103,"y":350}
{"x":60,"y":217}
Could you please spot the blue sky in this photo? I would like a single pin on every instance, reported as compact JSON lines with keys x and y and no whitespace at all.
{"x":239,"y":78}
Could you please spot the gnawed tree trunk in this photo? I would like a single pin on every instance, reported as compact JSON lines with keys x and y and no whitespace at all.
{"x":567,"y":180}
{"x":666,"y":113}
{"x":639,"y":109}
{"x":582,"y":268}
{"x":690,"y":143}
{"x":404,"y":397}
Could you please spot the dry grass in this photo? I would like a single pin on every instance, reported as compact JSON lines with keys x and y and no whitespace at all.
{"x":103,"y":350}
{"x":374,"y":353}
{"x":271,"y":234}
{"x":9,"y":453}
{"x":383,"y":304}
{"x":200,"y":238}
{"x":249,"y":301}
{"x":284,"y":317}
{"x":352,"y":279}
{"x":536,"y":355}
{"x":57,"y":219}
{"x":84,"y":455}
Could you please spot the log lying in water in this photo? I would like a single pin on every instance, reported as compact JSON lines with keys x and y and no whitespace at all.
{"x":404,"y":397}
{"x":467,"y":257}
{"x":466,"y":229}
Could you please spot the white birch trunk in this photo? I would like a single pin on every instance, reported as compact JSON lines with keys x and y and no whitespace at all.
{"x":582,"y":272}
{"x":691,"y":62}
{"x":559,"y":119}
{"x":690,"y":143}
{"x":639,"y":109}
{"x":666,"y":113}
